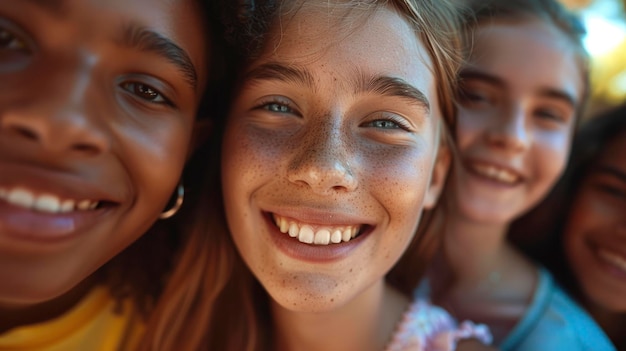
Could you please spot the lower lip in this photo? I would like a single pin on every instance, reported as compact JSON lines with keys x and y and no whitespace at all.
{"x":25,"y":225}
{"x":292,"y":247}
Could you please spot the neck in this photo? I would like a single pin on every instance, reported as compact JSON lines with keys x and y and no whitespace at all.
{"x":473,"y":250}
{"x":365,"y":323}
{"x":13,"y":316}
{"x":479,"y":276}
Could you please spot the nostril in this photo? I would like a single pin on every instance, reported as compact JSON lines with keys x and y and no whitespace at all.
{"x":85,"y":148}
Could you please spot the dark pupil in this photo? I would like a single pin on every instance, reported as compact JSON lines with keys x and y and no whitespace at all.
{"x":5,"y":38}
{"x":146,"y":92}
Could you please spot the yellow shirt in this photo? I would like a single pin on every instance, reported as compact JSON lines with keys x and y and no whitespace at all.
{"x":92,"y":325}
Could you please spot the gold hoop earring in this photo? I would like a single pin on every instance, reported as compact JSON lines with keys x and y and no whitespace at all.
{"x":177,"y":205}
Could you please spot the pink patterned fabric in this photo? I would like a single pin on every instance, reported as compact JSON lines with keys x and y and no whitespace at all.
{"x":425,"y":327}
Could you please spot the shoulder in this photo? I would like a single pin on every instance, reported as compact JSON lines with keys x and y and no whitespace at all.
{"x":431,"y":328}
{"x":554,"y":321}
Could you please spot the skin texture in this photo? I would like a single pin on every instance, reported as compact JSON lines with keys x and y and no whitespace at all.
{"x":77,"y":120}
{"x":317,"y":148}
{"x":514,"y":115}
{"x":596,"y":229}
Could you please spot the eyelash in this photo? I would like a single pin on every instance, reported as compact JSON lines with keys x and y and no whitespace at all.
{"x":284,"y":105}
{"x":134,"y":88}
{"x":613,"y":191}
{"x":399,"y":122}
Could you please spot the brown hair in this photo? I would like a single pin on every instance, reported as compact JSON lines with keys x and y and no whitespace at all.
{"x":212,"y":301}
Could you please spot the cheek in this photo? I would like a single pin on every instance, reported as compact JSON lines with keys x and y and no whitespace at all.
{"x":470,"y":125}
{"x":155,"y":160}
{"x":552,"y":151}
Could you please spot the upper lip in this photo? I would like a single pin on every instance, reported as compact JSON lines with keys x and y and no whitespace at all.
{"x":60,"y":184}
{"x":509,"y":168}
{"x":322,"y":217}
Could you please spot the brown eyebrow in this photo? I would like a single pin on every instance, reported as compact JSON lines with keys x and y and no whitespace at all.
{"x":497,"y":82}
{"x":272,"y":70}
{"x":143,"y":39}
{"x":393,"y":87}
{"x":383,"y":85}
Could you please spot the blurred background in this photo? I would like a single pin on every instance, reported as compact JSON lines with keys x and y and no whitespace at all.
{"x":606,"y":42}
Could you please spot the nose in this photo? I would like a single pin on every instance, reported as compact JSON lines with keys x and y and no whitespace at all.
{"x":509,"y":131}
{"x":322,"y":163}
{"x":56,"y":117}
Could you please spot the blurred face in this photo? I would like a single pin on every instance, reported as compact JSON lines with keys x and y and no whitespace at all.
{"x":328,"y":155}
{"x":518,"y":97}
{"x":97,"y":104}
{"x":595,"y":234}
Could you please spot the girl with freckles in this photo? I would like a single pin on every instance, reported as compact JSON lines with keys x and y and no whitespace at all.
{"x":334,"y":146}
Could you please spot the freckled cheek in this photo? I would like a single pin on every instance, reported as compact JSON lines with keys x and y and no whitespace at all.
{"x":250,"y":154}
{"x":399,"y":182}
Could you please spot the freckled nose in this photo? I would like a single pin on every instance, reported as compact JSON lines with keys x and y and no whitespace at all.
{"x":323,"y":164}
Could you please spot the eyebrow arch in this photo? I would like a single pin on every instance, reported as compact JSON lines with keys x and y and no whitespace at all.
{"x":277,"y":71}
{"x":497,"y":82}
{"x":393,"y":87}
{"x":143,"y":39}
{"x":613,"y":171}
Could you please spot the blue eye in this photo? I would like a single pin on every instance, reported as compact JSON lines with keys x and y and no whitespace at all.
{"x":385,"y":124}
{"x":278,"y":107}
{"x":145,"y":92}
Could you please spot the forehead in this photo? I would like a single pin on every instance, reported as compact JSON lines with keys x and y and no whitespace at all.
{"x":343,"y":42}
{"x":528,"y":54}
{"x":88,"y":22}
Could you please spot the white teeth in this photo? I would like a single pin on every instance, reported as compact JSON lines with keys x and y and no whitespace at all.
{"x":347,"y":235}
{"x":21,"y":197}
{"x":496,"y":173}
{"x":615,"y":259}
{"x":47,"y":203}
{"x":293,"y":230}
{"x":306,"y":234}
{"x":323,"y":236}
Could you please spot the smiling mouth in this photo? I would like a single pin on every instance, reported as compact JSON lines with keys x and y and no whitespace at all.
{"x":495,"y":173}
{"x":614,"y":259}
{"x":316,"y":234}
{"x":46,"y":202}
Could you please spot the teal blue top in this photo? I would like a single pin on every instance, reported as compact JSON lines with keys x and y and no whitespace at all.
{"x":554,"y":322}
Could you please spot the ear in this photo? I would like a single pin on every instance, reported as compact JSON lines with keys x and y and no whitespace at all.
{"x":200,"y":134}
{"x":439,"y":175}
